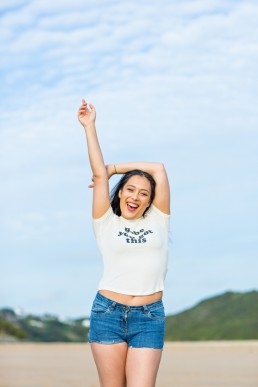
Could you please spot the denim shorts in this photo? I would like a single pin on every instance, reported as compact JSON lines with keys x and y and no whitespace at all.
{"x":138,"y":326}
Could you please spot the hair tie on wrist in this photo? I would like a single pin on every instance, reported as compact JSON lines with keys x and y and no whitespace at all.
{"x":115,"y":168}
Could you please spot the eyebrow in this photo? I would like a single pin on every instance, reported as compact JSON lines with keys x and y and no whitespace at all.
{"x":142,"y":189}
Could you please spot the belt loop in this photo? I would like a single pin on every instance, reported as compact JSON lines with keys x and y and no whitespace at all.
{"x":146,"y":310}
{"x":112,"y":306}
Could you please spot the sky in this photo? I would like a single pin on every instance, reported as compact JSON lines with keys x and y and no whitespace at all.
{"x":174,"y":82}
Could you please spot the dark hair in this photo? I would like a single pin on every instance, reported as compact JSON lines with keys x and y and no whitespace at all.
{"x":114,"y":198}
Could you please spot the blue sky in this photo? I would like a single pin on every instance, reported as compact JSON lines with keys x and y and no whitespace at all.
{"x":172,"y":81}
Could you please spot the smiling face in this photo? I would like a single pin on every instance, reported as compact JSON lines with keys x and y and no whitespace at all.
{"x":135,"y":197}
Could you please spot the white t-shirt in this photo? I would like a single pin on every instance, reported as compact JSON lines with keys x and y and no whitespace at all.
{"x":134,"y":252}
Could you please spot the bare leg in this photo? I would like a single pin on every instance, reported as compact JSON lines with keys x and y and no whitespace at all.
{"x":142,"y":366}
{"x":110,"y":360}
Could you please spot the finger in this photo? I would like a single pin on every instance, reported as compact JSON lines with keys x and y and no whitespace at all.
{"x":91,"y":106}
{"x":82,"y":109}
{"x":82,"y":112}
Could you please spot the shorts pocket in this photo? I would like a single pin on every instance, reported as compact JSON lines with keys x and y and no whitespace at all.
{"x":99,"y":308}
{"x":157,"y":314}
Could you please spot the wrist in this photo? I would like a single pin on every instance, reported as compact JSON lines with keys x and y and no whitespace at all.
{"x":90,"y":125}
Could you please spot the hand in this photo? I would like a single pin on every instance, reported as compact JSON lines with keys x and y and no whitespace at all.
{"x":86,"y":116}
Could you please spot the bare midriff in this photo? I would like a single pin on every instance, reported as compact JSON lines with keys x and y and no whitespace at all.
{"x":131,"y":300}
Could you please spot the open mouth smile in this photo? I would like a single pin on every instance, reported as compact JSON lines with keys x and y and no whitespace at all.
{"x":132,"y":207}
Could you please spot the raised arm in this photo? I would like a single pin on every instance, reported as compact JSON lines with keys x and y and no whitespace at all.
{"x":101,"y":202}
{"x":158,"y":172}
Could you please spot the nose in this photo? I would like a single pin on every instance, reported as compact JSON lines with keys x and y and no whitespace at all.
{"x":135,"y":196}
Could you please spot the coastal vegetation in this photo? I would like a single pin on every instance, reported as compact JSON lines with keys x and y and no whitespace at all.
{"x":229,"y":316}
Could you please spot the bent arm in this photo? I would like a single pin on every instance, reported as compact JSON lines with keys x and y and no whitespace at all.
{"x":101,"y":187}
{"x":158,"y":172}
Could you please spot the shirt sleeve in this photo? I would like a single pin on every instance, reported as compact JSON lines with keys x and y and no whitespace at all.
{"x":160,"y":212}
{"x":101,"y":223}
{"x":160,"y":216}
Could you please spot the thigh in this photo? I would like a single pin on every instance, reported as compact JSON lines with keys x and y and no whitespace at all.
{"x":110,"y":360}
{"x":142,"y":366}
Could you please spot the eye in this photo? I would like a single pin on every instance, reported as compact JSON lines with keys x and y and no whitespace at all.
{"x":144,"y":194}
{"x":129,"y":189}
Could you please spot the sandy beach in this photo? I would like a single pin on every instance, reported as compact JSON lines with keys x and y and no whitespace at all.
{"x":183,"y":364}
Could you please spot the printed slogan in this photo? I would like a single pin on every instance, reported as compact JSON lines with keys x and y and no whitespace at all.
{"x":132,"y":236}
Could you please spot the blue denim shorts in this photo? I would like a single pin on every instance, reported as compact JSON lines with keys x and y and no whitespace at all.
{"x":138,"y":326}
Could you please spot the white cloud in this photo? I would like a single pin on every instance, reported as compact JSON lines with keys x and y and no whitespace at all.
{"x":10,"y":5}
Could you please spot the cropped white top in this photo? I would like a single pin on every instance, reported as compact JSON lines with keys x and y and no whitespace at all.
{"x":134,"y":252}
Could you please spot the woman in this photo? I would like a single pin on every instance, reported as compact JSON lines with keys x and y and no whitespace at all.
{"x":127,"y":317}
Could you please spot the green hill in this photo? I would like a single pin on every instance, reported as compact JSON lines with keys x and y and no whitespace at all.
{"x":47,"y":328}
{"x":230,"y":316}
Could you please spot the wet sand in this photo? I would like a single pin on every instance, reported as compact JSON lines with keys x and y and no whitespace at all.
{"x":183,"y":364}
